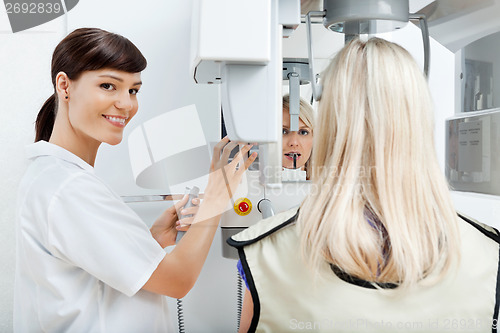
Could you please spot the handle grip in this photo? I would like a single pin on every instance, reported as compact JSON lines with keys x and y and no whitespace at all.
{"x":193,"y":193}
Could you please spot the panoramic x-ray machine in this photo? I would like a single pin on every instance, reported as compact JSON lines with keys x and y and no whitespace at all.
{"x":251,"y":70}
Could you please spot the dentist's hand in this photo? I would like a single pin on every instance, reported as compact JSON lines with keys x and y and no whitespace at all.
{"x":165,"y":228}
{"x":177,"y":272}
{"x":187,"y":215}
{"x":225,"y":177}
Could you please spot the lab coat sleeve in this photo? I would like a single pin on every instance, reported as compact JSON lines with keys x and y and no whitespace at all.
{"x":90,"y":227}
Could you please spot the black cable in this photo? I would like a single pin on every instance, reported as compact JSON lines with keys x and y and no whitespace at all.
{"x":239,"y":294}
{"x":180,"y":316}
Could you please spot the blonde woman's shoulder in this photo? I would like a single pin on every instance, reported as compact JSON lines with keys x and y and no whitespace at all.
{"x":264,"y":228}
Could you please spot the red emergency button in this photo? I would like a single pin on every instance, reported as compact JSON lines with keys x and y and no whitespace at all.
{"x":242,"y":206}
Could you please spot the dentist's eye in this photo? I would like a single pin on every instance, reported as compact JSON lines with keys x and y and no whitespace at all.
{"x":133,"y":91}
{"x":107,"y":86}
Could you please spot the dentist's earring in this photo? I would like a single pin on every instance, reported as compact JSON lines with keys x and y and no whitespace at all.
{"x":66,"y":97}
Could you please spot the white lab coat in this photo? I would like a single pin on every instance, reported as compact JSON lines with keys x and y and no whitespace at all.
{"x":82,"y":254}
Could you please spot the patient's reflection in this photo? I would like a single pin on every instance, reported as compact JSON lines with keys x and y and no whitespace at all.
{"x":297,"y":145}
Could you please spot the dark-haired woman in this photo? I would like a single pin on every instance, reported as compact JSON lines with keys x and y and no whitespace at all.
{"x":85,"y":260}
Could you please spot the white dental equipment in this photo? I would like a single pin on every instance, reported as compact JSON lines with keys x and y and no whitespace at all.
{"x":250,"y":68}
{"x":363,"y":17}
{"x":193,"y":193}
{"x":248,"y":64}
{"x":237,"y":43}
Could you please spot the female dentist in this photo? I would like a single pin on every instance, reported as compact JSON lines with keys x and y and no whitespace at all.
{"x":85,"y":261}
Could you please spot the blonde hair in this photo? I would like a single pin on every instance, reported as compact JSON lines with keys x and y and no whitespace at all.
{"x":379,"y":209}
{"x":306,"y":114}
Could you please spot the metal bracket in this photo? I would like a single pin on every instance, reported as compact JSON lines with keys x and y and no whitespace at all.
{"x":151,"y":198}
{"x":294,"y":108}
{"x":426,"y":39}
{"x":317,"y":88}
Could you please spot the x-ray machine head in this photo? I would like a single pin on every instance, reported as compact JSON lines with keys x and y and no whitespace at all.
{"x":238,"y":44}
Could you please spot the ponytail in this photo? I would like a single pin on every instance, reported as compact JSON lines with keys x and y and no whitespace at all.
{"x":45,"y":119}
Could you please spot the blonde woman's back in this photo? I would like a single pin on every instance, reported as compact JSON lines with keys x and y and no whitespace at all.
{"x":381,"y":246}
{"x":381,"y":210}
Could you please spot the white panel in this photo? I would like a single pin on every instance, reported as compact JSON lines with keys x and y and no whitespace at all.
{"x":457,"y":31}
{"x":244,"y":89}
{"x":235,"y":30}
{"x":416,"y":5}
{"x":289,"y":13}
{"x":485,"y":208}
{"x":232,"y":31}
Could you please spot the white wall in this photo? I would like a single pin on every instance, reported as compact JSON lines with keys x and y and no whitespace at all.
{"x":25,"y":85}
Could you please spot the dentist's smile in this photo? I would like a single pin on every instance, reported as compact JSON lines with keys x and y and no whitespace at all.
{"x":116,"y":120}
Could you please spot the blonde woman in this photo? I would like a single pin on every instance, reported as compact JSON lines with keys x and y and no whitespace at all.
{"x":377,"y":246}
{"x":298,"y":143}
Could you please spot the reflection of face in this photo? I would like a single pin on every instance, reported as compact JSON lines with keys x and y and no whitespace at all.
{"x":296,"y":142}
{"x":101,"y":103}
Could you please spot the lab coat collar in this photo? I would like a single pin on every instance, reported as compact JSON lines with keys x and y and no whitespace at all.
{"x":44,"y":148}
